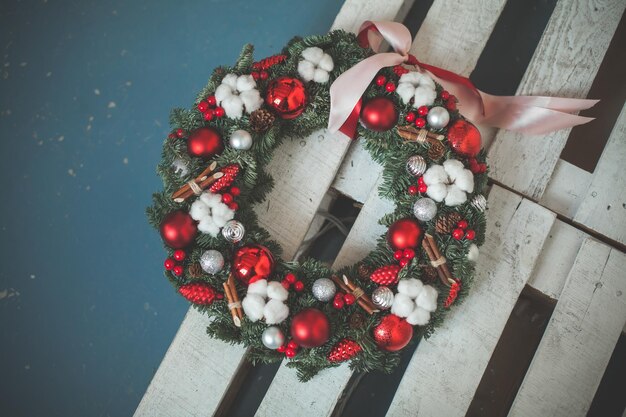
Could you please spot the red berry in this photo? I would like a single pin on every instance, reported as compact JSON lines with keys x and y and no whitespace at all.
{"x":290,"y":353}
{"x":445,"y":95}
{"x":450,"y":105}
{"x":211,"y":100}
{"x":291,"y":278}
{"x":208,"y":115}
{"x":381,"y":80}
{"x":422,"y":110}
{"x":171,"y":136}
{"x":178,"y":270}
{"x":282,"y":348}
{"x":483,"y":168}
{"x":410,"y":117}
{"x":233,"y":206}
{"x":413,"y":189}
{"x":420,"y":180}
{"x":338,"y":301}
{"x":422,"y":188}
{"x":420,"y":122}
{"x":169,"y":264}
{"x":219,"y":296}
{"x":292,"y":345}
{"x":180,"y":133}
{"x":408,"y":253}
{"x":285,"y":284}
{"x":470,"y":235}
{"x":235,"y":191}
{"x":264,"y":75}
{"x":179,"y":255}
{"x":349,"y":299}
{"x":203,"y":106}
{"x":219,"y":112}
{"x":227,"y":198}
{"x":298,"y":286}
{"x":397,"y":255}
{"x":391,"y":87}
{"x":403,"y":262}
{"x":462,"y":224}
{"x":255,"y":75}
{"x":458,"y":234}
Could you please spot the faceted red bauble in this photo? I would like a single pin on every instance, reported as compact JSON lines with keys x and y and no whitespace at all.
{"x":393,"y":333}
{"x":464,"y":138}
{"x":204,"y":143}
{"x":287,"y":96}
{"x":178,"y":229}
{"x":252,"y":263}
{"x":379,"y":114}
{"x":405,"y":233}
{"x":310,"y":328}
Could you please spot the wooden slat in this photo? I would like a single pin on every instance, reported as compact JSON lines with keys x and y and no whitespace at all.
{"x":564,"y":64}
{"x":566,"y":189}
{"x":446,"y":369}
{"x":580,"y":338}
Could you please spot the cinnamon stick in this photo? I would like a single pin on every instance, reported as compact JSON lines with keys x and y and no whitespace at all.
{"x":233,"y":288}
{"x":185,"y":189}
{"x":437,"y":260}
{"x":362,"y":299}
{"x":206,"y":183}
{"x":232,"y":304}
{"x":412,"y":134}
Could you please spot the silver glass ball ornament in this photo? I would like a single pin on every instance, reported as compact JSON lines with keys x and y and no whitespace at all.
{"x":233,"y":231}
{"x":479,"y":202}
{"x":382,"y":297}
{"x":241,"y":140}
{"x":324,"y":289}
{"x":273,"y":337}
{"x":416,"y":165}
{"x":438,"y":117}
{"x":425,"y":209}
{"x":212,"y":261}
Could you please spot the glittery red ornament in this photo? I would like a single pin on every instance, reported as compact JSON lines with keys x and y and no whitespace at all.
{"x":287,"y":97}
{"x":198,"y":293}
{"x":393,"y":333}
{"x":386,"y":275}
{"x":344,"y":350}
{"x":310,"y":328}
{"x":230,"y":173}
{"x":379,"y":114}
{"x":252,"y":263}
{"x":204,"y":143}
{"x":405,"y":233}
{"x":464,"y":138}
{"x":178,"y":229}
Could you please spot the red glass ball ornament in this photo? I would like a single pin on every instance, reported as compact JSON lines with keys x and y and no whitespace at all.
{"x":379,"y":114}
{"x":204,"y":143}
{"x":464,"y":138}
{"x":393,"y":333}
{"x":287,"y":97}
{"x":179,"y":255}
{"x":405,"y":233}
{"x":252,"y":263}
{"x":310,"y":328}
{"x":178,"y":229}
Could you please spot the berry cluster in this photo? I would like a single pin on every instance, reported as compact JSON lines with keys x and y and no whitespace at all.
{"x":290,"y":349}
{"x":461,"y":231}
{"x":419,"y":117}
{"x":404,"y":256}
{"x":228,"y":198}
{"x":210,"y":109}
{"x":476,"y":167}
{"x":450,"y":100}
{"x":174,"y":264}
{"x":421,"y":187}
{"x":291,"y":280}
{"x":342,"y":299}
{"x":381,"y":81}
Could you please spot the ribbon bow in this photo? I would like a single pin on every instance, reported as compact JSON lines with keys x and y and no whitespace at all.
{"x":527,"y":114}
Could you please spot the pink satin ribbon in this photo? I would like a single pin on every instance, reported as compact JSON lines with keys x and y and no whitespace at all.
{"x":527,"y":114}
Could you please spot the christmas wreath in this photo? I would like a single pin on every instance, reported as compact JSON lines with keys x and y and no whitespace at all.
{"x":227,"y":265}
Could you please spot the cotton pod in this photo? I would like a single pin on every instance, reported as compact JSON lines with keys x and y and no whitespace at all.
{"x":253,"y":305}
{"x":410,"y":287}
{"x":258,"y":287}
{"x":210,"y":213}
{"x":402,"y":305}
{"x":418,"y":317}
{"x":275,"y":291}
{"x":427,"y":299}
{"x":418,"y":88}
{"x":238,"y":93}
{"x":275,"y":311}
{"x":449,"y":182}
{"x":315,"y":65}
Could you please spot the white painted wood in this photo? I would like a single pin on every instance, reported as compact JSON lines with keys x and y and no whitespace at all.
{"x":566,"y":189}
{"x":579,"y":340}
{"x":446,"y":369}
{"x":565,"y":64}
{"x":557,"y":258}
{"x":603,"y":207}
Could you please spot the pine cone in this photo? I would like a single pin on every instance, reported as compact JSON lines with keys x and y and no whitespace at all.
{"x":356,"y":321}
{"x":364,"y":270}
{"x":198,"y":293}
{"x":447,"y":222}
{"x":386,"y":275}
{"x":436,"y":151}
{"x":429,"y":274}
{"x":344,"y":350}
{"x":195,"y":270}
{"x":261,"y":120}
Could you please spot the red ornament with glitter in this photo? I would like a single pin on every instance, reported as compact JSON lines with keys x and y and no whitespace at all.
{"x":198,"y":293}
{"x":310,"y":328}
{"x":386,"y":275}
{"x":178,"y":229}
{"x":405,"y":233}
{"x":287,"y":97}
{"x":379,"y":114}
{"x":252,"y":263}
{"x":204,"y":142}
{"x":464,"y":138}
{"x":344,"y":350}
{"x":393,"y":333}
{"x":230,"y":173}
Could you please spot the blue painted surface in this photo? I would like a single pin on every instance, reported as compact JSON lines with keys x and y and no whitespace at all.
{"x":85,"y":93}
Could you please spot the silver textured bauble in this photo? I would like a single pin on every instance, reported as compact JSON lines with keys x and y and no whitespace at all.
{"x":212,"y":261}
{"x":241,"y":140}
{"x":382,"y":297}
{"x":324,"y":289}
{"x":273,"y":337}
{"x":425,"y":209}
{"x":233,"y":231}
{"x":180,"y":167}
{"x":479,"y":202}
{"x":416,"y":165}
{"x":438,"y":117}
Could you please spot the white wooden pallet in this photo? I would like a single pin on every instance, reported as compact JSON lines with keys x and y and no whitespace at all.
{"x":525,"y":243}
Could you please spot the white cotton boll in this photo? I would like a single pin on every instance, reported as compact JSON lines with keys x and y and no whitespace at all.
{"x":306,"y":69}
{"x":198,"y":210}
{"x":258,"y":287}
{"x":412,"y":77}
{"x":453,"y":168}
{"x":426,"y":81}
{"x":427,"y":299}
{"x":253,"y":306}
{"x":437,"y":192}
{"x":275,"y":312}
{"x":230,"y":80}
{"x":472,"y":253}
{"x":222,"y":92}
{"x":402,"y":305}
{"x":313,"y":54}
{"x":424,"y":96}
{"x":252,"y":100}
{"x":405,"y":91}
{"x":220,"y":221}
{"x":434,"y":175}
{"x":455,"y":196}
{"x":210,"y":199}
{"x":320,"y":76}
{"x":419,"y":317}
{"x":208,"y":226}
{"x":326,"y":63}
{"x":410,"y":287}
{"x":276,"y":291}
{"x":233,"y":107}
{"x":465,"y":180}
{"x":245,"y":83}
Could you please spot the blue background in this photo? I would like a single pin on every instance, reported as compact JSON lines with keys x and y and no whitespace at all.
{"x":85,"y":92}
